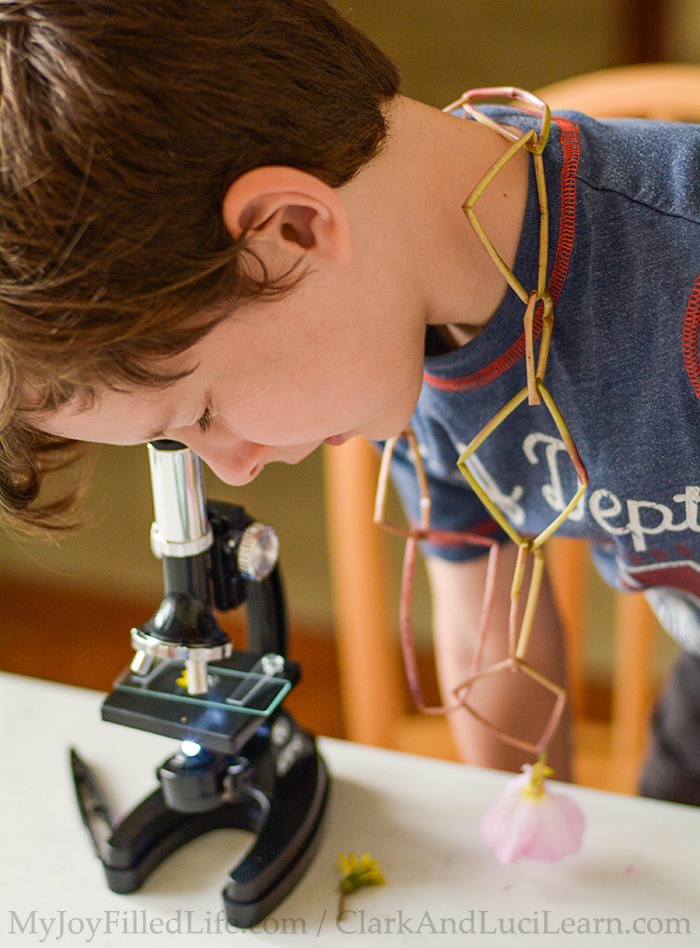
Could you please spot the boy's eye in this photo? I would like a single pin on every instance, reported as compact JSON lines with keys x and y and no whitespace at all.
{"x":204,"y":421}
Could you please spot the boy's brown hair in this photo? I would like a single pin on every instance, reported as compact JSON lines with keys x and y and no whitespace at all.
{"x":122,"y":124}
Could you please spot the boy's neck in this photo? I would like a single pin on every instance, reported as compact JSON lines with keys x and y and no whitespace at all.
{"x":432,"y":163}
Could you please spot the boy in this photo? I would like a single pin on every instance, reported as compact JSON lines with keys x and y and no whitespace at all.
{"x":225,"y":226}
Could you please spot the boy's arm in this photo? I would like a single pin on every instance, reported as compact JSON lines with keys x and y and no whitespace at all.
{"x":514,"y":701}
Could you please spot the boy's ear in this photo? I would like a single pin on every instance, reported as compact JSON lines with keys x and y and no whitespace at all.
{"x":290,"y":208}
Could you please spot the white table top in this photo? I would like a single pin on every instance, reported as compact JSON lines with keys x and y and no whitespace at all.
{"x":640,"y":862}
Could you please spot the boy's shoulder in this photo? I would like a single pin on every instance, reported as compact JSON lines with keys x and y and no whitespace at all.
{"x":652,"y":163}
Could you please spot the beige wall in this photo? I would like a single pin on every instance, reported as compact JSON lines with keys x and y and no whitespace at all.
{"x":113,"y":552}
{"x":683,"y":30}
{"x":447,"y":46}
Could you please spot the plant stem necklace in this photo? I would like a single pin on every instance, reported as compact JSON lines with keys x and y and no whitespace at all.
{"x":538,"y":304}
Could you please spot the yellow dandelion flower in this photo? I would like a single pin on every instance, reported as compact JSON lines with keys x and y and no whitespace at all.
{"x":356,"y":874}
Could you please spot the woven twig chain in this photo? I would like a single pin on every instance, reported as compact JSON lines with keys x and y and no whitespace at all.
{"x":536,"y":392}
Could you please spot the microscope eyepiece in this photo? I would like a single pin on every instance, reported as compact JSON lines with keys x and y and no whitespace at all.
{"x":181,"y":528}
{"x":165,"y":444}
{"x":184,"y":627}
{"x":213,"y":556}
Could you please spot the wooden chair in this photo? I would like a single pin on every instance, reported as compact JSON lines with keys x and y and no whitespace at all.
{"x":370,"y":666}
{"x":666,"y":91}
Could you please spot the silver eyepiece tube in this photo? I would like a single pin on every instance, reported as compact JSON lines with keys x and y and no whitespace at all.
{"x":180,"y":532}
{"x":181,"y":527}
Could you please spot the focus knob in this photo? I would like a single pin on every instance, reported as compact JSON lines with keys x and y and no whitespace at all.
{"x":258,"y":551}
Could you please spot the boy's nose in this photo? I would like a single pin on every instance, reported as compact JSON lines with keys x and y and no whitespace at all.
{"x":235,"y":462}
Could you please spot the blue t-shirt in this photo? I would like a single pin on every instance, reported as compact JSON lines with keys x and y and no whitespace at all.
{"x":623,"y":270}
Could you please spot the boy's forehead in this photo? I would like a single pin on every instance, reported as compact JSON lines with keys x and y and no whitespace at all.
{"x":109,"y":416}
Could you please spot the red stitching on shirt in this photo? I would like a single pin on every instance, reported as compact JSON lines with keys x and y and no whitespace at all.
{"x":571,"y":147}
{"x":690,"y":337}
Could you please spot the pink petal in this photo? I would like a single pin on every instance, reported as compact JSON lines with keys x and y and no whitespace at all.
{"x":560,"y":828}
{"x":544,"y":827}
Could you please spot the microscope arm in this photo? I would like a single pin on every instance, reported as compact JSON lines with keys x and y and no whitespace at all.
{"x":265,"y":615}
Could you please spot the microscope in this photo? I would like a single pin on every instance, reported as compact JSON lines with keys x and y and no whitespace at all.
{"x":243,"y":761}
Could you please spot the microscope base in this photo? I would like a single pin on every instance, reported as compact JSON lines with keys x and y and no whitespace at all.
{"x":287,"y":824}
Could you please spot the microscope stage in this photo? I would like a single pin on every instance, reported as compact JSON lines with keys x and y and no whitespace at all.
{"x":240,"y":697}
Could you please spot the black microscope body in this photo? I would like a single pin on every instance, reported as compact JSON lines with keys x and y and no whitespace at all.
{"x":243,"y":762}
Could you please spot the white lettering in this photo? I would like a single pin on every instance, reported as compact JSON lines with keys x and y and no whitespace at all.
{"x":553,"y":492}
{"x":638,"y":530}
{"x":290,"y":754}
{"x":507,"y":503}
{"x":643,"y":518}
{"x":601,"y":514}
{"x":690,"y":498}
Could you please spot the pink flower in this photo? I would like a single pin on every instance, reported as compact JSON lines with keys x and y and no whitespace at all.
{"x":529,"y":820}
